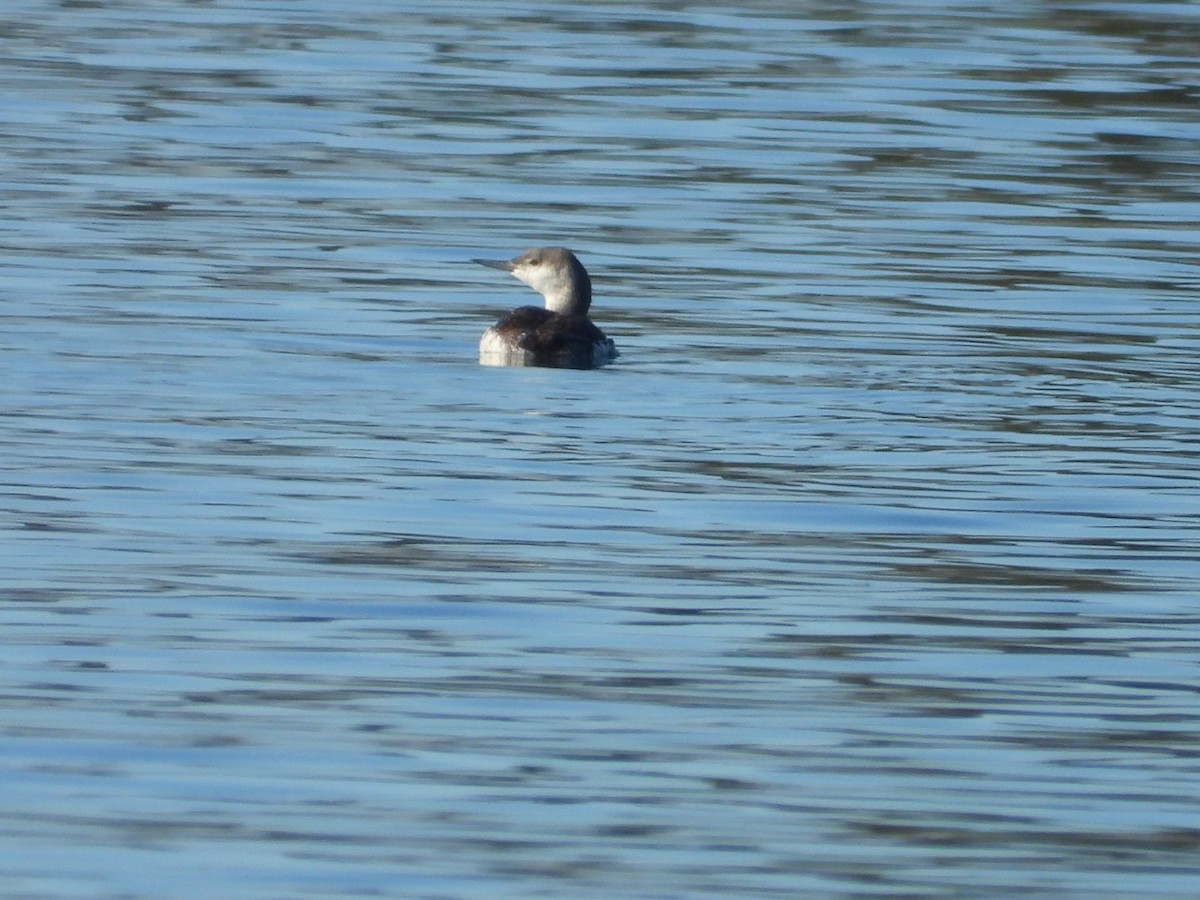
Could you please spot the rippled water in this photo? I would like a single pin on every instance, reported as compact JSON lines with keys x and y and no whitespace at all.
{"x":868,"y":569}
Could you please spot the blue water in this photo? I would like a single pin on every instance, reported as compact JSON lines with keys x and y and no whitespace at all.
{"x":869,"y":569}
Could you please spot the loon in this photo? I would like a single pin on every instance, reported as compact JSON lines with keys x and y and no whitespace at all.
{"x":561,"y":334}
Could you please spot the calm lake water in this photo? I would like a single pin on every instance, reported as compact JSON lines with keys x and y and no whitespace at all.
{"x":869,"y":569}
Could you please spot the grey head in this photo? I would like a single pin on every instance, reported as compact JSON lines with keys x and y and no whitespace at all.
{"x":553,"y":272}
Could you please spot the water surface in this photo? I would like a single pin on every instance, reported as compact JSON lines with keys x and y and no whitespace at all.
{"x":868,"y":569}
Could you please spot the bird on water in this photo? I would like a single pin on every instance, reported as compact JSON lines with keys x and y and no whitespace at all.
{"x":561,"y":334}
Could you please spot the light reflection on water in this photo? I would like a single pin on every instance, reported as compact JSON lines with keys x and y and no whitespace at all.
{"x":867,"y":569}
